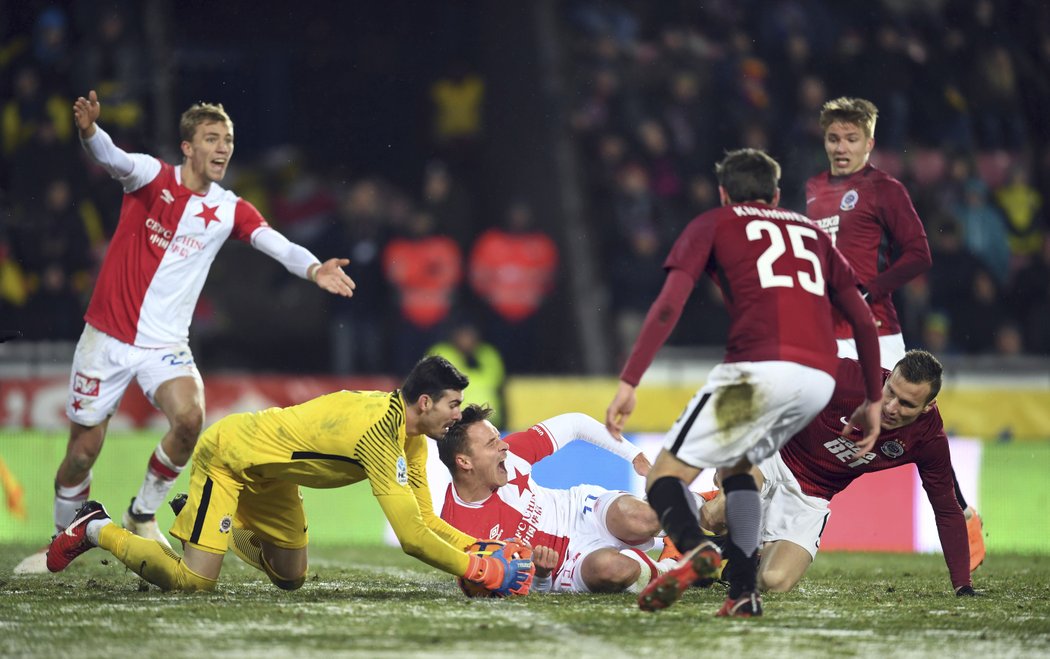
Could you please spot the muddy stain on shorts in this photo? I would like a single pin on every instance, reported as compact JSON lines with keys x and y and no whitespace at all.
{"x":735,"y":406}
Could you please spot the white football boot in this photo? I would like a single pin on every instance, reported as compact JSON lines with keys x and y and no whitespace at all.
{"x":33,"y":564}
{"x":144,"y":526}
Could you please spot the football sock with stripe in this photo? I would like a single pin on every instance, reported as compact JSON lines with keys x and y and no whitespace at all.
{"x":151,"y":560}
{"x":68,"y":501}
{"x":161,"y":474}
{"x":676,"y":509}
{"x":744,"y":519}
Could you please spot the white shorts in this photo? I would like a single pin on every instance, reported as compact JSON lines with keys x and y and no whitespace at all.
{"x":788,"y":513}
{"x":103,"y":368}
{"x":891,"y":349}
{"x":747,"y":409}
{"x":587,"y":534}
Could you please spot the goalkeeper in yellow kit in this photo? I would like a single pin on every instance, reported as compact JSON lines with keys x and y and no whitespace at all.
{"x":244,"y":489}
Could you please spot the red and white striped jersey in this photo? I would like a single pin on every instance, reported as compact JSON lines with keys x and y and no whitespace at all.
{"x":522,"y":508}
{"x":161,"y":252}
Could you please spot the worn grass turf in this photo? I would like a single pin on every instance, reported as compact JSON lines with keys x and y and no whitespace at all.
{"x":375,"y":602}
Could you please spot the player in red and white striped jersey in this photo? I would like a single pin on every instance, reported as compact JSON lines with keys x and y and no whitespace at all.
{"x":173,"y":221}
{"x":819,"y":462}
{"x":780,"y":277}
{"x":585,"y":538}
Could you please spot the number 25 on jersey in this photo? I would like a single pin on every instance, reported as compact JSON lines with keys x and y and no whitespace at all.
{"x":778,"y":246}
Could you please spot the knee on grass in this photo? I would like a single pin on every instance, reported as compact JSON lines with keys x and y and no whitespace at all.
{"x":282,"y":582}
{"x":776,"y":581}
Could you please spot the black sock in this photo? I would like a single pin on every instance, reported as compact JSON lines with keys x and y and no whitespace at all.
{"x":675,"y":507}
{"x":744,"y":519}
{"x":958,"y":491}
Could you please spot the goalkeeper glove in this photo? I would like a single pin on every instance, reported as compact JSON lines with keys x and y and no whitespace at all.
{"x":499,"y":575}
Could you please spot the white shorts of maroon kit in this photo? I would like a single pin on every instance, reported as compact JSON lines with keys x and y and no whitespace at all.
{"x":891,"y":349}
{"x":588,"y":533}
{"x":788,"y":513}
{"x":747,"y":410}
{"x":103,"y":368}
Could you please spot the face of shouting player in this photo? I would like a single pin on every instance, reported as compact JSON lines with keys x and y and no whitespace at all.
{"x":903,"y":401}
{"x":207,"y":156}
{"x":438,"y":414}
{"x":487,"y":455}
{"x":847,"y":147}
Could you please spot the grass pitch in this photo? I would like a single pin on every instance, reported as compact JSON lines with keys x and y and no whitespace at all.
{"x":376,"y":602}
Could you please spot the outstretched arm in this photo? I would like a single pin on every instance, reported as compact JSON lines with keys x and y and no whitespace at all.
{"x":301,"y":262}
{"x":659,"y":323}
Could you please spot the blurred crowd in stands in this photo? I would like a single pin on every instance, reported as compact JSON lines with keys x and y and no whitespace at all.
{"x":659,"y":90}
{"x":962,"y":87}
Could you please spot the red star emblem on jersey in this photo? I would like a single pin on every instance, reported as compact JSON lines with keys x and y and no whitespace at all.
{"x":77,"y":405}
{"x":208,"y":214}
{"x":521,"y":481}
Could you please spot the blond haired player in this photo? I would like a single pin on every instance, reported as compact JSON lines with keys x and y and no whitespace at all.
{"x":873,"y":223}
{"x":173,"y":221}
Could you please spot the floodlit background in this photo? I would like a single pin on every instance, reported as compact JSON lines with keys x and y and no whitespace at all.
{"x":589,"y":126}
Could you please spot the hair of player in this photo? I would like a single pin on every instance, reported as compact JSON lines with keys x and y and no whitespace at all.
{"x":749,"y":175}
{"x":921,"y":367}
{"x":847,"y":110}
{"x":201,"y":113}
{"x":455,"y":440}
{"x":432,"y":376}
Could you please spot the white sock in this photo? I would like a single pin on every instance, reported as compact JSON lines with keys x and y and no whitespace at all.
{"x":160,"y":477}
{"x":68,"y":501}
{"x":647,"y":572}
{"x":94,"y":527}
{"x":666,"y":564}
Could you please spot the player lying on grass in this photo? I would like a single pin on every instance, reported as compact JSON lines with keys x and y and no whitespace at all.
{"x":584,"y":539}
{"x":798,"y":482}
{"x":245,"y":478}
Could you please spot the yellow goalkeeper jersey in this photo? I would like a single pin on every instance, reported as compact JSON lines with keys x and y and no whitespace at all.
{"x":339,"y":439}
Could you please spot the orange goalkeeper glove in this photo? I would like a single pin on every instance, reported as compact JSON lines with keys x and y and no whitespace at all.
{"x":501,"y":576}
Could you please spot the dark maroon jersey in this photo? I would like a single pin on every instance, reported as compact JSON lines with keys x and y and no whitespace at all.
{"x":775,"y":269}
{"x":824,"y":464}
{"x":870,"y":217}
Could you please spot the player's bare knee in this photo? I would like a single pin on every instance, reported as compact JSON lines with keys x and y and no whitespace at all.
{"x":776,"y":581}
{"x":635,"y":520}
{"x":608,"y":571}
{"x":186,"y":426}
{"x":81,"y":457}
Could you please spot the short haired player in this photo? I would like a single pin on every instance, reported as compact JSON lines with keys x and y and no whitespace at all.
{"x":245,"y":489}
{"x":780,"y":277}
{"x":798,"y":482}
{"x":585,"y":538}
{"x":873,"y":223}
{"x":173,"y":221}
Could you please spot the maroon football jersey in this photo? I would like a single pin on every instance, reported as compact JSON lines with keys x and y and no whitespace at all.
{"x":824,"y":464}
{"x":775,"y":269}
{"x":870,"y":218}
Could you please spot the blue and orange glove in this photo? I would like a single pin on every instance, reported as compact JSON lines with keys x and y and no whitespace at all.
{"x":500,"y":575}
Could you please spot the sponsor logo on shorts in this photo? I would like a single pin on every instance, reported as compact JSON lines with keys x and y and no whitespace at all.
{"x":402,"y":471}
{"x":849,"y":201}
{"x":85,"y":386}
{"x":892,"y":449}
{"x":225,"y":524}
